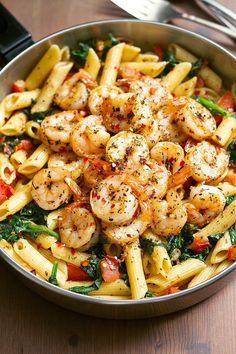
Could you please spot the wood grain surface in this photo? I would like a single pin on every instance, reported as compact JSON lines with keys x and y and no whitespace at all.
{"x":30,"y":324}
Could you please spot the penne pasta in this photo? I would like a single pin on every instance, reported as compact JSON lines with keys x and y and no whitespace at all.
{"x":18,"y":158}
{"x":174,"y":78}
{"x":53,"y":82}
{"x":187,"y":88}
{"x":32,"y":129}
{"x":16,"y":202}
{"x":150,"y":68}
{"x":92,"y":65}
{"x":111,"y":66}
{"x":36,"y":161}
{"x":37,"y":261}
{"x":130,"y":52}
{"x":220,"y":251}
{"x":4,"y":115}
{"x":15,"y":125}
{"x":135,"y":271}
{"x":68,"y":254}
{"x":181,"y":53}
{"x":43,"y":67}
{"x":7,"y":170}
{"x":53,"y":217}
{"x":210,"y":78}
{"x":16,"y":101}
{"x":224,"y":131}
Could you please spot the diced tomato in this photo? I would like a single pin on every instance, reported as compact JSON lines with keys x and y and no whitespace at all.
{"x":170,"y":290}
{"x":199,"y":244}
{"x":5,"y":191}
{"x":76,"y":273}
{"x":158,"y":51}
{"x":110,"y":269}
{"x":25,"y":145}
{"x":232,"y":253}
{"x":18,"y":86}
{"x":200,"y":82}
{"x":226,"y":102}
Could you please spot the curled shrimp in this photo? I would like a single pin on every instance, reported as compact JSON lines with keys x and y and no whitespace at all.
{"x":195,"y":120}
{"x":117,"y":112}
{"x":97,"y":96}
{"x":56,"y":129}
{"x":95,"y":171}
{"x":60,"y":159}
{"x":153,"y":178}
{"x":77,"y":227}
{"x":152,"y":90}
{"x":168,"y":154}
{"x":141,"y":220}
{"x":169,"y":216}
{"x":73,"y":93}
{"x":205,"y":203}
{"x":143,"y":121}
{"x":127,"y":148}
{"x":113,"y":201}
{"x":89,"y":137}
{"x":207,"y":162}
{"x":49,"y":189}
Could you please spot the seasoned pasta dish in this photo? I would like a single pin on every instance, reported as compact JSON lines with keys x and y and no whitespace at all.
{"x":117,"y":170}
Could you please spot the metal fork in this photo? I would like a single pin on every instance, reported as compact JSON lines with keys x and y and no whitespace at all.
{"x":163,"y":11}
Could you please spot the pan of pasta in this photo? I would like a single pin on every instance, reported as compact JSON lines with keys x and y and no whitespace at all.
{"x":117,"y":168}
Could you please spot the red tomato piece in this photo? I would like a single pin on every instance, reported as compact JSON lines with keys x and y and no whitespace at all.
{"x":110,"y":269}
{"x":227,"y":101}
{"x":158,"y":51}
{"x":76,"y":273}
{"x":5,"y":191}
{"x":232,"y":253}
{"x":200,"y":82}
{"x":171,"y":290}
{"x":25,"y":145}
{"x":199,"y":244}
{"x":18,"y":86}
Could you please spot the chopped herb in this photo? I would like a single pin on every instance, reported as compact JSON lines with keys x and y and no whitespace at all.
{"x":196,"y":66}
{"x":211,"y":106}
{"x":149,"y":294}
{"x":182,"y":241}
{"x":229,"y":200}
{"x":97,"y":250}
{"x":93,"y":270}
{"x":80,"y":54}
{"x":13,"y":228}
{"x":38,"y":117}
{"x":148,"y":245}
{"x":232,"y":151}
{"x":232,"y":233}
{"x":214,"y":238}
{"x":34,"y":213}
{"x":172,"y":61}
{"x":53,"y":277}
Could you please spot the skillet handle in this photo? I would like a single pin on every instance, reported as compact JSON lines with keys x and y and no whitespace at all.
{"x":14,"y":38}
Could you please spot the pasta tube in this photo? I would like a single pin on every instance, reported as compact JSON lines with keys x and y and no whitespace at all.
{"x":18,"y":158}
{"x":53,"y":82}
{"x":150,"y":68}
{"x":7,"y":171}
{"x":43,"y":67}
{"x":68,"y":255}
{"x":15,"y":125}
{"x":130,"y":52}
{"x":32,"y":129}
{"x":112,"y":63}
{"x":38,"y":262}
{"x":220,"y":251}
{"x":20,"y":100}
{"x":135,"y":271}
{"x":92,"y":65}
{"x":36,"y":161}
{"x":176,"y":76}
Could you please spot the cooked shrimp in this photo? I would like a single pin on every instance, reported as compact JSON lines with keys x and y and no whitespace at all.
{"x":117,"y":112}
{"x":205,"y":203}
{"x":95,"y":171}
{"x":153,"y":178}
{"x":61,"y":159}
{"x":127,"y":148}
{"x":77,"y":226}
{"x":143,"y":121}
{"x":97,"y":96}
{"x":152,"y":90}
{"x":49,"y":189}
{"x":169,"y":216}
{"x":195,"y":120}
{"x":72,"y":94}
{"x":168,"y":154}
{"x":56,"y":129}
{"x":167,"y":127}
{"x":113,"y":201}
{"x":89,"y":137}
{"x":120,"y":234}
{"x":207,"y":162}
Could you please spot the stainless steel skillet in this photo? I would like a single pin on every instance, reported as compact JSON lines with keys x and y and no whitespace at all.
{"x":144,"y":34}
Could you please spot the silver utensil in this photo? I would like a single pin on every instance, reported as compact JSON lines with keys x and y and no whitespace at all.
{"x":163,"y":11}
{"x":221,"y":9}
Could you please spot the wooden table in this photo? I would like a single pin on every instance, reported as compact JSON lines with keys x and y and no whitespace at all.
{"x":30,"y":324}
